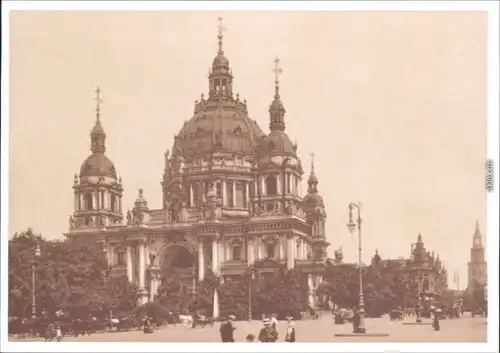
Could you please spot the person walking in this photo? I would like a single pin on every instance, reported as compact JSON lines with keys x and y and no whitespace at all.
{"x":268,"y":333}
{"x":356,"y":321}
{"x":290,"y":330}
{"x":274,"y":321}
{"x":435,"y":323}
{"x":227,"y":329}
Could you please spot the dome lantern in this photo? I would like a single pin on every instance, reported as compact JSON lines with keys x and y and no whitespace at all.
{"x":220,"y":77}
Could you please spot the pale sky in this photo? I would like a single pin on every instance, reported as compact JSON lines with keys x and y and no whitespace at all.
{"x":392,"y":104}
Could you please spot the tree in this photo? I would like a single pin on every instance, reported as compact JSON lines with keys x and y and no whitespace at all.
{"x":173,"y":293}
{"x":70,"y":274}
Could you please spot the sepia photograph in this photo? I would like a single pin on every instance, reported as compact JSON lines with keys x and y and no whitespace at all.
{"x":248,"y":175}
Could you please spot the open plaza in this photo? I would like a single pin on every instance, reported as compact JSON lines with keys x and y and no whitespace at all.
{"x":465,"y":329}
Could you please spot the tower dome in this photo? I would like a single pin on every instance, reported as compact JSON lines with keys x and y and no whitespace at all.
{"x":313,"y":199}
{"x":277,"y":142}
{"x":98,"y":164}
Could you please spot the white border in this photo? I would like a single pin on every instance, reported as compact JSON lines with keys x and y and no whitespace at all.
{"x":492,"y":229}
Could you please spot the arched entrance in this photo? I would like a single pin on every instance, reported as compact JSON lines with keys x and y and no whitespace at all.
{"x":181,"y":259}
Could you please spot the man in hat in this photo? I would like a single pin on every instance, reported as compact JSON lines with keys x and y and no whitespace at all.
{"x":290,"y":330}
{"x":268,"y":333}
{"x":227,"y":329}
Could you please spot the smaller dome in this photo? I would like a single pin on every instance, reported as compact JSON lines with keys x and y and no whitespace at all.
{"x":313,"y":200}
{"x":278,"y":142}
{"x":98,"y":129}
{"x":220,"y":60}
{"x":98,"y":165}
{"x":277,"y":105}
{"x":312,"y":179}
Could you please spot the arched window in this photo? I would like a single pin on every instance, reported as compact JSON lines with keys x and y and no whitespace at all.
{"x":88,"y":201}
{"x":271,"y":185}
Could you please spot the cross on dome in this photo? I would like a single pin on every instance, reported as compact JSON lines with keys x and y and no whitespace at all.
{"x":98,"y":100}
{"x":221,"y":33}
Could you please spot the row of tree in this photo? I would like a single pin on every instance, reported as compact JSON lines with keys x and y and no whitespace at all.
{"x":70,"y":275}
{"x":73,"y":275}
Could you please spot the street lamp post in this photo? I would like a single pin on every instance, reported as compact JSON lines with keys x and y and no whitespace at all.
{"x":419,"y":296}
{"x":352,"y":225}
{"x":252,"y":277}
{"x":37,"y":254}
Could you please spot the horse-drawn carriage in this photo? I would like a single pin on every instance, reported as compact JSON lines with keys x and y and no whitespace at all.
{"x":396,"y":314}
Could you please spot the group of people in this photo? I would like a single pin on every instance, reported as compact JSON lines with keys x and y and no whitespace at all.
{"x":268,"y":333}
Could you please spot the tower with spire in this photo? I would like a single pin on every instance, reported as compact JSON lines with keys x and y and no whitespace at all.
{"x":97,"y":188}
{"x":314,"y":207}
{"x":477,"y":266}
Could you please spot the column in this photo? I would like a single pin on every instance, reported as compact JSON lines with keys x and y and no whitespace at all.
{"x":113,"y":254}
{"x":142,"y":266}
{"x":201,"y":261}
{"x":147,"y":248}
{"x":250,"y":250}
{"x":129,"y":263}
{"x":247,"y":193}
{"x":76,"y":202}
{"x":290,"y":261}
{"x":224,"y":193}
{"x":279,"y":182}
{"x":215,"y":251}
{"x":263,"y":185}
{"x":191,"y":195}
{"x":259,"y":248}
{"x":234,"y":193}
{"x":95,"y":196}
{"x":120,"y":204}
{"x":282,"y":247}
{"x":152,"y":291}
{"x":310,"y":290}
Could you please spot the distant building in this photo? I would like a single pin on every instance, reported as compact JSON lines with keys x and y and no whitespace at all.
{"x":423,"y":266}
{"x":232,"y":198}
{"x":477,"y":266}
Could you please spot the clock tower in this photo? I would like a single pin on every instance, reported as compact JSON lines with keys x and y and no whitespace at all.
{"x":477,"y":264}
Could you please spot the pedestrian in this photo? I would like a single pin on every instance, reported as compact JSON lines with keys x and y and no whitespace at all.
{"x":356,"y":321}
{"x":227,"y":329}
{"x":58,"y":333}
{"x":147,"y":325}
{"x":274,"y":321}
{"x":250,"y":337}
{"x":268,"y":333}
{"x":290,"y":330}
{"x":435,"y":323}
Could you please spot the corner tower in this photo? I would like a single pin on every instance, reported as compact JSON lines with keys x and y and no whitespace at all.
{"x":97,"y":189}
{"x":477,"y":266}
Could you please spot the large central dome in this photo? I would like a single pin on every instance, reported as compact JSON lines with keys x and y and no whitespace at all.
{"x":218,"y":126}
{"x":220,"y":122}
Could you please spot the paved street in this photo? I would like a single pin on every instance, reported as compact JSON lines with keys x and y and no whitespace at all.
{"x":465,"y":329}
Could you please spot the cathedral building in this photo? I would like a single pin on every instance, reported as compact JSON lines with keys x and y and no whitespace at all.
{"x":477,"y":266}
{"x":422,"y":266}
{"x":232,"y":198}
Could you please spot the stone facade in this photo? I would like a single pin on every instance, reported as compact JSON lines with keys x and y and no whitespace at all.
{"x":423,"y":267}
{"x":232,"y":198}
